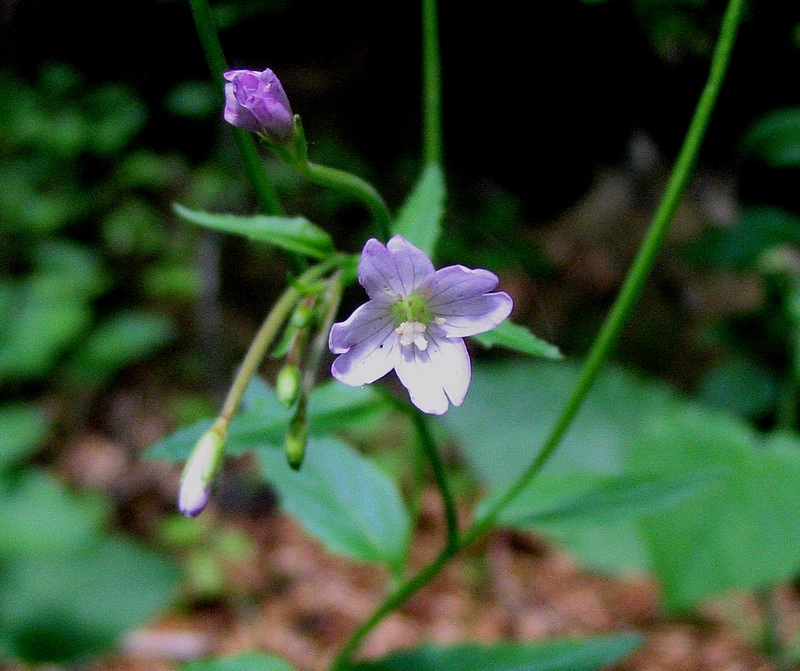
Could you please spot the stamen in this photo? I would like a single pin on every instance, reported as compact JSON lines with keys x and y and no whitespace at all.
{"x":413,"y":333}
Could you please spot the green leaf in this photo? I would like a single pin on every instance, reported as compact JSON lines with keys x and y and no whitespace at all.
{"x":591,"y":499}
{"x":248,"y":661}
{"x":757,"y":230}
{"x":41,"y":329}
{"x":294,"y":234}
{"x":775,"y":138}
{"x":119,"y":340}
{"x":39,"y":516}
{"x":741,"y":532}
{"x":516,"y":337}
{"x":63,"y":606}
{"x":509,"y":412}
{"x":419,"y":219}
{"x":344,"y":499}
{"x":558,"y":655}
{"x":332,"y":406}
{"x":23,"y":428}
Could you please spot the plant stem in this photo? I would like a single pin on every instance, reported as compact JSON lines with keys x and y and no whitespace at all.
{"x":431,"y":451}
{"x":431,"y":85}
{"x":643,"y":263}
{"x":245,"y":142}
{"x":620,"y":311}
{"x":353,"y":185}
{"x":266,"y":336}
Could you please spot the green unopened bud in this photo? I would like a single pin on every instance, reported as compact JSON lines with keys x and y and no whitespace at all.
{"x":287,"y":384}
{"x":303,"y":315}
{"x":296,"y":439}
{"x":200,"y":472}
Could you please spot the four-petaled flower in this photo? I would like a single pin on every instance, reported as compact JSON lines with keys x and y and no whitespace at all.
{"x":415,"y":322}
{"x":257,"y":102}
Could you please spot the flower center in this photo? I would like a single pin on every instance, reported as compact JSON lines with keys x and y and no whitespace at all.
{"x":413,"y":316}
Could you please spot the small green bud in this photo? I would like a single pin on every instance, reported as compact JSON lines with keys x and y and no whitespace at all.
{"x":303,"y":316}
{"x":296,"y":439}
{"x":200,"y":471}
{"x":287,"y":384}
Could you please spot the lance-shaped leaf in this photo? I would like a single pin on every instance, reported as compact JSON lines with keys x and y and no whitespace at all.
{"x":419,"y":220}
{"x":516,"y":337}
{"x":294,"y":234}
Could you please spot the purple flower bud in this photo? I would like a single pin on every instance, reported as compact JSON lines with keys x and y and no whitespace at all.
{"x":199,"y":473}
{"x":257,"y":102}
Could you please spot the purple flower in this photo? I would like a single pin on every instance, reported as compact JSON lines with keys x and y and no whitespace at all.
{"x":415,"y":322}
{"x":257,"y":102}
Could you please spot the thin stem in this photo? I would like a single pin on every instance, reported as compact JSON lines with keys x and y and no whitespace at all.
{"x":353,"y":185}
{"x":642,"y":265}
{"x":245,"y":142}
{"x":431,"y":84}
{"x":608,"y":335}
{"x":390,"y":604}
{"x":266,"y":336}
{"x":431,"y":451}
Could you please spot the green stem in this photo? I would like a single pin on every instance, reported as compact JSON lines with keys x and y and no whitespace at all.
{"x":266,"y":336}
{"x":608,"y":335}
{"x":431,"y":451}
{"x":245,"y":142}
{"x":354,"y":186}
{"x":432,"y":85}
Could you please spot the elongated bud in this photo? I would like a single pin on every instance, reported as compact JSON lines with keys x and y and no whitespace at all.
{"x":287,"y":384}
{"x":297,"y":437}
{"x":256,"y":101}
{"x":200,"y":471}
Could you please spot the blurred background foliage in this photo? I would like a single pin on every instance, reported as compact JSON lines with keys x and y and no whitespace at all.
{"x":561,"y":121}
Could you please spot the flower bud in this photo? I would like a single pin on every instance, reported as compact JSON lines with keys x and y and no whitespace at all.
{"x":199,"y":473}
{"x":296,"y":438}
{"x":257,"y":102}
{"x":287,"y":384}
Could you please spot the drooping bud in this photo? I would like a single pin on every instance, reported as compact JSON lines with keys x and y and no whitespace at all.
{"x":296,"y":437}
{"x":200,"y":472}
{"x":257,"y":102}
{"x":287,"y":384}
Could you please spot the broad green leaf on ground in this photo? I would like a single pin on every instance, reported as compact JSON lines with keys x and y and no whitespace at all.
{"x":39,"y":516}
{"x":558,"y":655}
{"x":24,"y":428}
{"x":344,"y":499}
{"x":741,"y":532}
{"x":775,"y":138}
{"x":294,"y":234}
{"x":58,"y":607}
{"x":332,"y":407}
{"x":511,"y":407}
{"x":248,"y":661}
{"x":516,"y":337}
{"x":506,"y":417}
{"x":583,"y":499}
{"x":419,"y":220}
